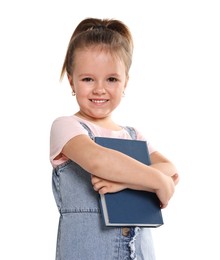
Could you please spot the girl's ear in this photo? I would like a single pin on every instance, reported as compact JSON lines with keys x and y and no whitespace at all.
{"x":126,"y":82}
{"x":70,"y":79}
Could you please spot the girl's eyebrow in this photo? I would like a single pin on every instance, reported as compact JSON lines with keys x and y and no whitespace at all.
{"x":85,"y":75}
{"x":91,"y":75}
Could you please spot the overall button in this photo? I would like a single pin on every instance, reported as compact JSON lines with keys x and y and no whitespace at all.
{"x":125,"y":231}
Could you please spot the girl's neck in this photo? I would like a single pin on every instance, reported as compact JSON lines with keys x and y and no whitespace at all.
{"x":105,"y":122}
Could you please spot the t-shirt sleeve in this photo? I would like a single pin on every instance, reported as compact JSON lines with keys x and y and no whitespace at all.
{"x":140,"y":136}
{"x":62,"y":130}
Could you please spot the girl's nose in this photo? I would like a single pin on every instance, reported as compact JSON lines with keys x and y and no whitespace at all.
{"x":99,"y":89}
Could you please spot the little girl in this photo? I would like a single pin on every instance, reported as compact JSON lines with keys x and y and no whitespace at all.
{"x":97,"y":64}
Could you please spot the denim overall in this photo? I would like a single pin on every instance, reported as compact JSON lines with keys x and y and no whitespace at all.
{"x":81,"y":233}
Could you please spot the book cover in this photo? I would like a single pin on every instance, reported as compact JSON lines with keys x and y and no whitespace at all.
{"x":130,"y":207}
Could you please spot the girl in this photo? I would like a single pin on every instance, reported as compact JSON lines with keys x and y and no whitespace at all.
{"x":97,"y":65}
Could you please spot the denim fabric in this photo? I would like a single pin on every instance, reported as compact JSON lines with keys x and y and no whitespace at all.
{"x":82,"y":234}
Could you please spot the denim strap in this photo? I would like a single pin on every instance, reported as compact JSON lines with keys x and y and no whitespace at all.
{"x":91,"y":135}
{"x":131,"y":131}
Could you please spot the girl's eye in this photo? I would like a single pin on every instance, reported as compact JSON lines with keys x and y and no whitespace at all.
{"x":112,"y":79}
{"x":87,"y":79}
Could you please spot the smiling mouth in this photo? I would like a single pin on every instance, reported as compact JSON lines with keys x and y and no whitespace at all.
{"x":99,"y":101}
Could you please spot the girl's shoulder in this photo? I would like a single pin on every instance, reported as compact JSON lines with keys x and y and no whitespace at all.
{"x":64,"y":121}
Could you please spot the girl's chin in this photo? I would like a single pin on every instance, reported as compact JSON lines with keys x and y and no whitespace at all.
{"x":94,"y":116}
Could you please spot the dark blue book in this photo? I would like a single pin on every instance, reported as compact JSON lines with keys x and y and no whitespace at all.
{"x":130,"y":207}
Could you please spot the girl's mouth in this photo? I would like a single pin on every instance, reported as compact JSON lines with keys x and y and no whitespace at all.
{"x":99,"y":101}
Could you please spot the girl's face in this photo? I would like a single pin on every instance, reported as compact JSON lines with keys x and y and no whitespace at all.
{"x":98,"y":81}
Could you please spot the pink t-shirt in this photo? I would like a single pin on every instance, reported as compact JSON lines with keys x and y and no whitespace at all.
{"x":65,"y":128}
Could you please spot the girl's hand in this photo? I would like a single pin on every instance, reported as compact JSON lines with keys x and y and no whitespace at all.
{"x":103,"y":186}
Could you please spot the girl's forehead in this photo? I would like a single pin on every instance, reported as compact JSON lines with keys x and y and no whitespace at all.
{"x":89,"y":54}
{"x":94,"y":61}
{"x":102,"y":48}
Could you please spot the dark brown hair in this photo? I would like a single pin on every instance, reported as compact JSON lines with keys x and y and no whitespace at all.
{"x":109,"y":34}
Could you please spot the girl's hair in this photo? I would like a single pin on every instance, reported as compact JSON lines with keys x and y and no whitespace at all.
{"x":109,"y":34}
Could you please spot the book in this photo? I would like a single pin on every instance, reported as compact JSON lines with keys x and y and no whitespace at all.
{"x":130,"y":207}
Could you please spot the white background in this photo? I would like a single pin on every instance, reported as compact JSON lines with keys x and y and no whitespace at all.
{"x":172,"y":98}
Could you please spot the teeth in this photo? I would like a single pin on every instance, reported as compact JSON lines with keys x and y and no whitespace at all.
{"x":98,"y":101}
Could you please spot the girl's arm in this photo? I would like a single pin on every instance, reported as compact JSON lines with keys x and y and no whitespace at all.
{"x":161,"y":163}
{"x":117,"y":167}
